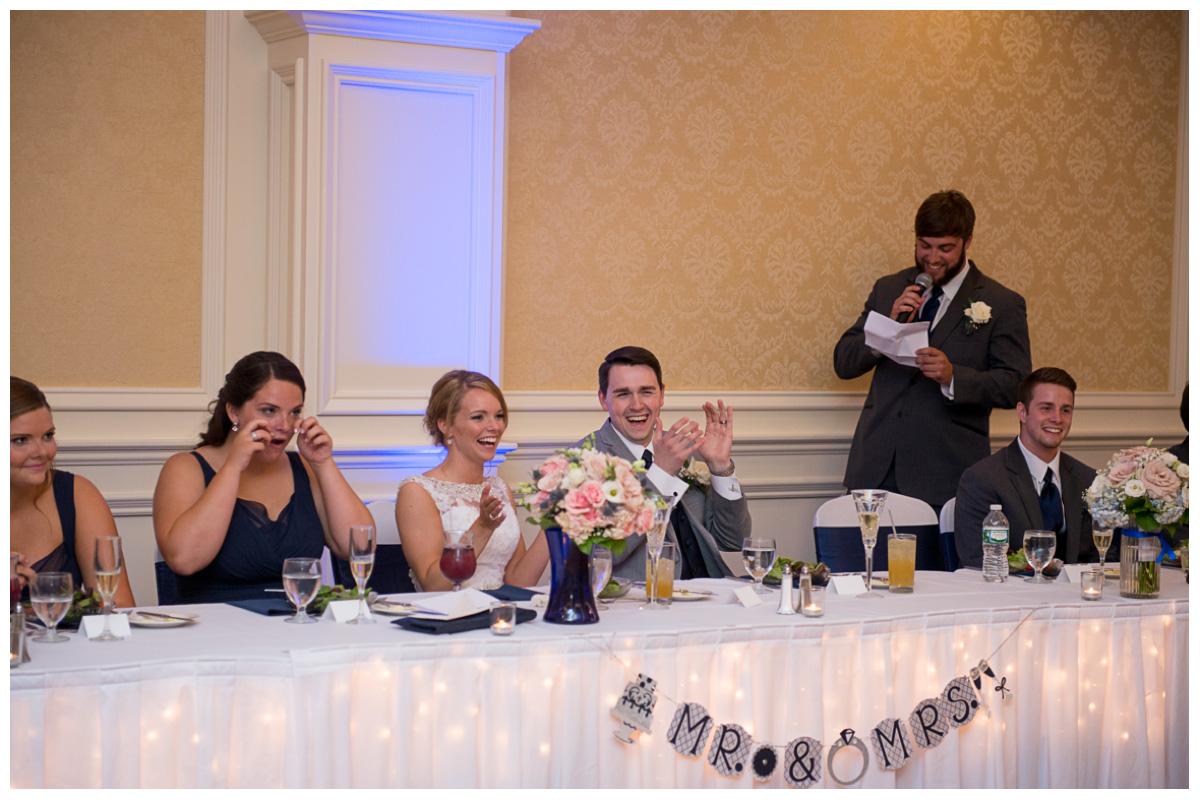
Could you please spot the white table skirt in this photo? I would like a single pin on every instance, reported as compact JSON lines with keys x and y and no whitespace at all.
{"x":241,"y":700}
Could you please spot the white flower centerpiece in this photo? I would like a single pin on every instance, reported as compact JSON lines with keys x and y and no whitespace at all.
{"x":1144,"y":491}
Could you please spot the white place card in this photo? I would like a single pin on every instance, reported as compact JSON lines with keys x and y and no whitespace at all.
{"x":747,"y":597}
{"x":848,"y":584}
{"x":342,"y":610}
{"x":93,"y":625}
{"x":1072,"y":572}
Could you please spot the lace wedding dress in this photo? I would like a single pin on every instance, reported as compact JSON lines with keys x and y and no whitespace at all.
{"x":458,"y":505}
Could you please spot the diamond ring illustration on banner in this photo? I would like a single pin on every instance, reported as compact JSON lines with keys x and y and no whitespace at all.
{"x":848,"y":739}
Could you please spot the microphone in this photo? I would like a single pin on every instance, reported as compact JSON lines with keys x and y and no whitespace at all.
{"x":923,"y":282}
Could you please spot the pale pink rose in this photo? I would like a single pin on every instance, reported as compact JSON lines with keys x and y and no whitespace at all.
{"x":577,"y":503}
{"x":630,"y":485}
{"x":594,"y":464}
{"x":645,"y":519}
{"x":1122,"y":470}
{"x":594,"y":492}
{"x":552,"y":470}
{"x":1161,"y":481}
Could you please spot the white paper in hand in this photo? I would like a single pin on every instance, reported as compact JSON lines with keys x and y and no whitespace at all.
{"x":899,"y":341}
{"x":452,"y":605}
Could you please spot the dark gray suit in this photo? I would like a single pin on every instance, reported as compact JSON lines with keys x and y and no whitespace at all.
{"x":907,"y":418}
{"x":718,"y":523}
{"x":1004,"y":478}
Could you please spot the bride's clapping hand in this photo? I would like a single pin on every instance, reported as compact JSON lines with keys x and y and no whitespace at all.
{"x":491,"y":510}
{"x":313,"y":441}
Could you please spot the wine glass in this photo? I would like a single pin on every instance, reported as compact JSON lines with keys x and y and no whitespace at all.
{"x":108,"y":575}
{"x":1102,"y":535}
{"x":600,"y":566}
{"x":758,"y":554}
{"x":869,"y":505}
{"x":1039,"y":549}
{"x":654,"y":544}
{"x":458,"y":556}
{"x":51,"y":595}
{"x":362,"y":561}
{"x":301,"y":581}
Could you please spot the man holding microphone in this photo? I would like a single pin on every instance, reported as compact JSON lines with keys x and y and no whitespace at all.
{"x":922,"y":426}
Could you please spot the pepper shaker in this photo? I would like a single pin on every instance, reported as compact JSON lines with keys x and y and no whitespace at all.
{"x":805,"y":587}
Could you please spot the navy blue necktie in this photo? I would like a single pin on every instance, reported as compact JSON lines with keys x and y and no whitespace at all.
{"x":648,"y":458}
{"x":1051,"y":503}
{"x":930,"y":309}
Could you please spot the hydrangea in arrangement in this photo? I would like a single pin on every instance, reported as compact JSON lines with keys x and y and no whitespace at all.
{"x":595,"y":498}
{"x":1141,"y":487}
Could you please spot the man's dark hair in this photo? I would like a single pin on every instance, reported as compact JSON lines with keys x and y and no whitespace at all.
{"x":947,"y":213}
{"x":1059,"y":377}
{"x":629,"y":356}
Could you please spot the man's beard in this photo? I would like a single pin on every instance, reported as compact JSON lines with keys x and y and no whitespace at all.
{"x":950,"y":273}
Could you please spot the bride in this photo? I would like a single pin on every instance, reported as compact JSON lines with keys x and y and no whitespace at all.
{"x":467,"y":415}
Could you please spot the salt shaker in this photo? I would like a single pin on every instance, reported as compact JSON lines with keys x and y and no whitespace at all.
{"x":786,"y":605}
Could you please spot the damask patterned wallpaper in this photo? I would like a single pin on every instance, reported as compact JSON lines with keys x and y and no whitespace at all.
{"x":724,"y":187}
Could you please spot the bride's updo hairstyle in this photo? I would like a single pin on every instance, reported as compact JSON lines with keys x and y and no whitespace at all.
{"x":248,"y":375}
{"x":446,"y":399}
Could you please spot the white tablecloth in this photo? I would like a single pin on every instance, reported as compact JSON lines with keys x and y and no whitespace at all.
{"x":241,"y":700}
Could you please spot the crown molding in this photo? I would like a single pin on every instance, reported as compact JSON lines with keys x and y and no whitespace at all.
{"x":475,"y":31}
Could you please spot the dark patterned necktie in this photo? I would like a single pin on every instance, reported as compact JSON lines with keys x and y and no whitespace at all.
{"x":1051,"y":503}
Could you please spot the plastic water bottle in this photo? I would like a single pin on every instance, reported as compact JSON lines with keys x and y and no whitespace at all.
{"x":995,"y":546}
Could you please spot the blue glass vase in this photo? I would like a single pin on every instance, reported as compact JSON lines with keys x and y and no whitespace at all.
{"x":571,"y":599}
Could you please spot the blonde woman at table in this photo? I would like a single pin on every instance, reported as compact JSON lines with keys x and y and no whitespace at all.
{"x":54,"y":516}
{"x":467,"y":415}
{"x":229,"y":512}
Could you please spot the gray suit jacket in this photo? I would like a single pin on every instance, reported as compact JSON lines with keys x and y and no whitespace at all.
{"x":1004,"y":478}
{"x":906,"y":416}
{"x":719,"y":524}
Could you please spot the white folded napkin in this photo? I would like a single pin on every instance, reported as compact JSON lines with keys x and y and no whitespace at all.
{"x":452,"y":605}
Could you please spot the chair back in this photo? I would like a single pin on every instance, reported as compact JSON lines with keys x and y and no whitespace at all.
{"x":839,"y":540}
{"x":946,"y":523}
{"x":164,"y":581}
{"x":390,"y":574}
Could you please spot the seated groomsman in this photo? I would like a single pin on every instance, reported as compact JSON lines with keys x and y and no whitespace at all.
{"x":1039,"y":486}
{"x":706,"y":518}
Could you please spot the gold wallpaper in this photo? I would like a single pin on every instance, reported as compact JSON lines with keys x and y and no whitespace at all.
{"x":107,"y":131}
{"x":724,"y":187}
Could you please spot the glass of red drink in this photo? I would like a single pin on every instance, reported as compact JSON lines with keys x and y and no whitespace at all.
{"x":458,"y":556}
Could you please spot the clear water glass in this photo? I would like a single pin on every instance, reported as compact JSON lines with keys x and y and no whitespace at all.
{"x":301,"y":582}
{"x":600,"y":565}
{"x":758,"y":556}
{"x":1039,"y":550}
{"x":51,"y":594}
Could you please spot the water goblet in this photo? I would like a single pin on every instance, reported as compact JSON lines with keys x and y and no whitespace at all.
{"x":458,"y":556}
{"x":301,"y":581}
{"x":758,"y":555}
{"x":654,"y":544}
{"x":362,"y":561}
{"x":1102,"y":535}
{"x":600,"y":567}
{"x":869,"y":505}
{"x":108,"y":574}
{"x":51,"y":595}
{"x":1039,"y":549}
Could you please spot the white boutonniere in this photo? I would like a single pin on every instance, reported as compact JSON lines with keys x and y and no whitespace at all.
{"x":978,"y":314}
{"x":696,"y":473}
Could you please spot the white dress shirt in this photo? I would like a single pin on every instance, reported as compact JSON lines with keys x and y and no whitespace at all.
{"x":672,"y":486}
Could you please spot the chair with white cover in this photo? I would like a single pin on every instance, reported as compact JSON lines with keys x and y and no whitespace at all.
{"x":390,"y":574}
{"x":946,"y":523}
{"x":839,"y":539}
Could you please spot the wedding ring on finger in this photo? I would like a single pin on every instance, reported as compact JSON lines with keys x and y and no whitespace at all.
{"x":254,"y":437}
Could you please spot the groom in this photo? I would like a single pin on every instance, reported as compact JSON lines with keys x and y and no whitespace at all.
{"x":710,"y":513}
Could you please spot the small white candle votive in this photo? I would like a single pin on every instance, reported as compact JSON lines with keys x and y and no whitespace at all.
{"x":815,"y":607}
{"x":504,"y":618}
{"x":1092,"y":584}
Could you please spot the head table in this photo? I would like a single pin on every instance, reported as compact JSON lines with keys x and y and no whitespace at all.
{"x":1100,"y":694}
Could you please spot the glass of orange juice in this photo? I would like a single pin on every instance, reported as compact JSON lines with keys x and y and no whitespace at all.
{"x":902,"y":562}
{"x":666,"y":575}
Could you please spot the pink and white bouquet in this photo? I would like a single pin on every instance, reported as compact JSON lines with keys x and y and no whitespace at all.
{"x":1141,"y":487}
{"x":594,"y":498}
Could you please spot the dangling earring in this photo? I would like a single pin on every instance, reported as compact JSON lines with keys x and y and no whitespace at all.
{"x":235,"y":426}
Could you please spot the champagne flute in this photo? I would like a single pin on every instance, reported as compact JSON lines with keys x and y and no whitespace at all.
{"x":869,"y":505}
{"x":458,"y":556}
{"x":758,"y":554}
{"x":108,"y":575}
{"x":51,"y":595}
{"x":301,"y":581}
{"x":600,"y":566}
{"x":1102,"y":536}
{"x":654,"y":544}
{"x":1039,"y":549}
{"x":362,"y":561}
